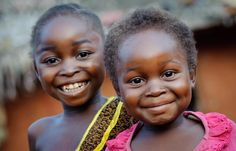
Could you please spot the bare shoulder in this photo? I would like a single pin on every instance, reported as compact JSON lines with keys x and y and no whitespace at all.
{"x":40,"y":126}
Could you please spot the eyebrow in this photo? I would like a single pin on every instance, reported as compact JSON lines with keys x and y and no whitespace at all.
{"x":129,"y":69}
{"x":45,"y":48}
{"x":80,"y":42}
{"x":171,"y":61}
{"x":51,"y":48}
{"x":162,"y":64}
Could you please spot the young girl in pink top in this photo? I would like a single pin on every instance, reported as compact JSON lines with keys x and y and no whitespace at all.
{"x":151,"y":58}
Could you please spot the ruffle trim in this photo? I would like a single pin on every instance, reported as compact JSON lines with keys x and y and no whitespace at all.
{"x":219,"y":129}
{"x":120,"y":142}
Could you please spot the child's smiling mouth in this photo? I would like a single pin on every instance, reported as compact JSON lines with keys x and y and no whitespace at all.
{"x":73,"y":88}
{"x":158,"y":107}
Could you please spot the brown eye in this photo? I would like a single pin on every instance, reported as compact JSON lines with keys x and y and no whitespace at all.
{"x":52,"y":61}
{"x":83,"y":54}
{"x":137,"y":81}
{"x":169,"y":75}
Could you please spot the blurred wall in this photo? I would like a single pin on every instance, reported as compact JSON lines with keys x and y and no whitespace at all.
{"x":216,"y":80}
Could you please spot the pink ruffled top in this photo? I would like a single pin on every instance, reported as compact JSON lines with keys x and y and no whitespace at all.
{"x":220,"y":134}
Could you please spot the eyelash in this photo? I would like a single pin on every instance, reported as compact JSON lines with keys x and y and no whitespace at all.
{"x":54,"y":60}
{"x":169,"y":77}
{"x":83,"y":54}
{"x":51,"y":61}
{"x":137,"y":83}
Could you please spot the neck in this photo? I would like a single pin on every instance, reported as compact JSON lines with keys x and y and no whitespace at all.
{"x":92,"y":105}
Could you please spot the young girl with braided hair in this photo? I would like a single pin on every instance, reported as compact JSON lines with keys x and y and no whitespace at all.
{"x":67,"y":43}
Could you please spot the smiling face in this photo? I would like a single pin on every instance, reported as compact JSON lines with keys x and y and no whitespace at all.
{"x":68,"y":60}
{"x":154,"y":80}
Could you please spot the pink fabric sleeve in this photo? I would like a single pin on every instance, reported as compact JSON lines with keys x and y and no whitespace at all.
{"x":220,"y":132}
{"x":122,"y":140}
{"x":232,"y":141}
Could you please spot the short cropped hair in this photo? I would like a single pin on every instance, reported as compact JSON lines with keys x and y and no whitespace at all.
{"x":71,"y":9}
{"x":142,"y":19}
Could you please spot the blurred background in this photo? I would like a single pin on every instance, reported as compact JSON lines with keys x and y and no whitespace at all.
{"x":22,"y":100}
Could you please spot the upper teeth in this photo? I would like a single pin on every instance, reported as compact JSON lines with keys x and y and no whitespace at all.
{"x":71,"y":87}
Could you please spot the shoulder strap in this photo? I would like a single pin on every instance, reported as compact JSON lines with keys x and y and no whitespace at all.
{"x":110,"y":127}
{"x":96,"y":122}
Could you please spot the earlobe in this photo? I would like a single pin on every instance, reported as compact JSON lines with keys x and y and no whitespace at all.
{"x":193,"y":78}
{"x":193,"y":83}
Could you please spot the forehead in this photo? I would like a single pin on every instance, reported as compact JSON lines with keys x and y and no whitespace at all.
{"x":148,"y":43}
{"x":64,"y":25}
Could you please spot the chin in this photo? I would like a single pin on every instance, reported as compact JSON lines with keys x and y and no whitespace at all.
{"x":161,"y":120}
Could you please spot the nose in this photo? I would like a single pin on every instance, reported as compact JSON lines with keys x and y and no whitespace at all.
{"x":69,"y":67}
{"x":155,"y":88}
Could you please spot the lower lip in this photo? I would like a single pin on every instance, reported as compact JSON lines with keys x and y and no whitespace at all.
{"x":158,"y":109}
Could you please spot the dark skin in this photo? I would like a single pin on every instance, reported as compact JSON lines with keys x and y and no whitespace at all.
{"x":155,"y":84}
{"x":68,"y":62}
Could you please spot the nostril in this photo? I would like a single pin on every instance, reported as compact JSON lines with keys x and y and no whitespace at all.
{"x":155,"y":87}
{"x":69,"y":67}
{"x":69,"y":71}
{"x":156,"y":92}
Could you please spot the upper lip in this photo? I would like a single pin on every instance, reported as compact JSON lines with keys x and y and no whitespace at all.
{"x":71,"y":82}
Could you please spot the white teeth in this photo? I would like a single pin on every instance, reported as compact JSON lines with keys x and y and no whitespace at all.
{"x":73,"y":87}
{"x":76,"y":85}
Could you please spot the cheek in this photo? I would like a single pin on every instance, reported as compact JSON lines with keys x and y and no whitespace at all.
{"x":97,"y":69}
{"x":130,"y":97}
{"x":131,"y":101}
{"x":96,"y":64}
{"x":183,"y":90}
{"x":97,"y":73}
{"x":183,"y":84}
{"x":45,"y":75}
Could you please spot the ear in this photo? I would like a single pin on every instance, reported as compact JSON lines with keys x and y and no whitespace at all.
{"x":193,"y":77}
{"x":35,"y":69}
